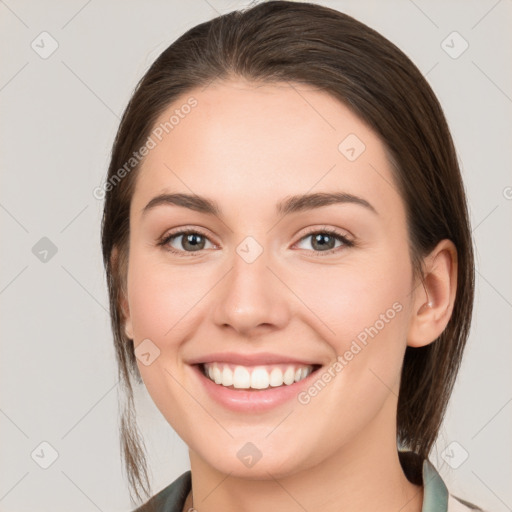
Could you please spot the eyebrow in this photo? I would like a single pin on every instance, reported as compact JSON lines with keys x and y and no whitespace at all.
{"x":291,"y":204}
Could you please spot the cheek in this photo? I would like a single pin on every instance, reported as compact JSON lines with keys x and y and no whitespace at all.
{"x":364,"y":318}
{"x":160,"y":298}
{"x":162,"y":302}
{"x":350,"y":299}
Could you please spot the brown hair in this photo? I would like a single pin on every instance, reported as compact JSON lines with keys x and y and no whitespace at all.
{"x":277,"y":41}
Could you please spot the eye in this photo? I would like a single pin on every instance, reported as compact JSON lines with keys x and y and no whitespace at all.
{"x":193,"y":241}
{"x":186,"y":241}
{"x":324,"y":241}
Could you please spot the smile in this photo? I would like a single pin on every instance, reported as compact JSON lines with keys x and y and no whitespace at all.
{"x":256,"y":377}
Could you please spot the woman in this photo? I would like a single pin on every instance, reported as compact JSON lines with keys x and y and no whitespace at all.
{"x":290,"y":266}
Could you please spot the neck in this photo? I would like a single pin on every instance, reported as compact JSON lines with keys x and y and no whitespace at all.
{"x":364,"y":474}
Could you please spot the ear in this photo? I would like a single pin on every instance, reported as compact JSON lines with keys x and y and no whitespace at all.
{"x":433,"y":299}
{"x":123,"y":300}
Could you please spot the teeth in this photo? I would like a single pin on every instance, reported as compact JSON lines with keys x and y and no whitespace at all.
{"x":276,"y":377}
{"x":227,"y":376}
{"x":260,"y":378}
{"x":217,"y":376}
{"x":257,"y":377}
{"x":241,"y":378}
{"x":289,"y":375}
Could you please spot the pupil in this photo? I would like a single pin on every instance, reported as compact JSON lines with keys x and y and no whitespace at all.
{"x":192,"y":239}
{"x":323,"y":240}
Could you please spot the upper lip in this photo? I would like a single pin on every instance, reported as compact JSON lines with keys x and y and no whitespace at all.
{"x":263,"y":358}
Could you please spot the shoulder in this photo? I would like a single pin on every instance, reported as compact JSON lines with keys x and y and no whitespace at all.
{"x":171,"y":498}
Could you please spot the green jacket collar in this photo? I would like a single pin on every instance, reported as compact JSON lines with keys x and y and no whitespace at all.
{"x":421,"y":472}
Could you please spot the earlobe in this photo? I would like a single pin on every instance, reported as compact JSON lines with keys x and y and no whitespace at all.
{"x":127,"y":321}
{"x":434,"y":297}
{"x":128,"y":330}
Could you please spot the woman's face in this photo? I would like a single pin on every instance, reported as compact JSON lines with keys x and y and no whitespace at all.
{"x":264,"y":278}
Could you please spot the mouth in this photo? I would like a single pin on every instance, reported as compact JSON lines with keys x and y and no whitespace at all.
{"x":258,"y":377}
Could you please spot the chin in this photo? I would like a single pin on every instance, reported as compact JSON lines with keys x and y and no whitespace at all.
{"x":249,"y":462}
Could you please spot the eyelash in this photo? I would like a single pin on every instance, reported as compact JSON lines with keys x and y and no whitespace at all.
{"x":186,"y":254}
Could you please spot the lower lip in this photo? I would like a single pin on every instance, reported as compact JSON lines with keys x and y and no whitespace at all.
{"x":258,"y":400}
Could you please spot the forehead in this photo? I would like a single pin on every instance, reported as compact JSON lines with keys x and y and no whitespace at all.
{"x":254,"y":142}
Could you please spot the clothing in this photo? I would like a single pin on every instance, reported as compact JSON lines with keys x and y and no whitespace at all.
{"x":436,"y":497}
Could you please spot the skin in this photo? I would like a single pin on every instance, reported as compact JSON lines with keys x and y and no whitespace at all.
{"x":248,"y":147}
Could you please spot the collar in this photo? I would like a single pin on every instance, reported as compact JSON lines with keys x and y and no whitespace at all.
{"x":421,"y":472}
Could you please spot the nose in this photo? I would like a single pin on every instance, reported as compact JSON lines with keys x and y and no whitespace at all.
{"x":252,"y":298}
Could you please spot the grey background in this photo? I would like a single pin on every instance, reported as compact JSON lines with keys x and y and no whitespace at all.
{"x":59,"y":116}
